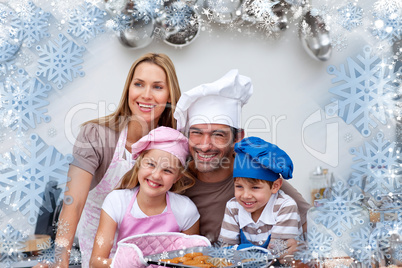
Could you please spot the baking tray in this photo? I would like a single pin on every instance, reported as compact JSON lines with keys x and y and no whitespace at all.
{"x":219,"y":257}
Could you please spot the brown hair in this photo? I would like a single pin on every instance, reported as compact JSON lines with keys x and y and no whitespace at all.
{"x":255,"y":181}
{"x":130,"y":179}
{"x":120,"y":118}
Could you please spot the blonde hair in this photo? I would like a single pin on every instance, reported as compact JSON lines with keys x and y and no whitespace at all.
{"x":120,"y":118}
{"x":130,"y":179}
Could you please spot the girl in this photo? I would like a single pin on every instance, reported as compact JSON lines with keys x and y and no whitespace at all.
{"x":146,"y":200}
{"x":102,"y":148}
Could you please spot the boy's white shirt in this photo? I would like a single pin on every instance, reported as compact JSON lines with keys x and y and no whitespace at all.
{"x":266,"y":216}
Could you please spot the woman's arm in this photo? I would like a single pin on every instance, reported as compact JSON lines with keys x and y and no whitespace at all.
{"x":193,"y":230}
{"x":103,"y":242}
{"x":77,"y":190}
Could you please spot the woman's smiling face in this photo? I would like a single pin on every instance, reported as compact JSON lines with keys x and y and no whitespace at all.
{"x":148,"y":92}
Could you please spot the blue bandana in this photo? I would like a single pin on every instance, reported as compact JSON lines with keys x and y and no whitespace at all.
{"x":258,"y":159}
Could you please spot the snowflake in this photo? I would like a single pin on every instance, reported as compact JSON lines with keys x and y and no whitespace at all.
{"x":7,"y":51}
{"x":25,"y":174}
{"x":147,"y":10}
{"x":75,"y":256}
{"x":164,"y":255}
{"x":304,"y":29}
{"x":12,"y":243}
{"x":47,"y":251}
{"x":35,"y":23}
{"x":10,"y":32}
{"x":221,"y":252}
{"x":25,"y":97}
{"x":178,"y":15}
{"x":379,"y":241}
{"x":119,"y":22}
{"x":7,"y":67}
{"x":350,"y":16}
{"x":375,"y":167}
{"x":364,"y":92}
{"x":51,"y":253}
{"x":86,"y":21}
{"x":387,"y":5}
{"x":341,"y":193}
{"x":60,"y":61}
{"x":348,"y":137}
{"x":339,"y":42}
{"x":62,"y":227}
{"x":222,"y":11}
{"x":252,"y":258}
{"x":388,"y":20}
{"x":208,"y":13}
{"x":269,"y":26}
{"x":319,"y":245}
{"x":360,"y":248}
{"x":52,"y":132}
{"x":261,"y":9}
{"x":338,"y":213}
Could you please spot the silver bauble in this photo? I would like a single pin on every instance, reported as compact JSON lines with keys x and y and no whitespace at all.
{"x":179,"y":22}
{"x":224,"y":11}
{"x":139,"y":35}
{"x":116,"y":6}
{"x":10,"y":33}
{"x":315,"y":37}
{"x":280,"y":11}
{"x":184,"y":36}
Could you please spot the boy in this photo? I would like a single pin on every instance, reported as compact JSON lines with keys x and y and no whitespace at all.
{"x":260,"y":214}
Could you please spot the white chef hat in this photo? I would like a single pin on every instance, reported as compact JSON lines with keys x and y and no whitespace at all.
{"x":219,"y":102}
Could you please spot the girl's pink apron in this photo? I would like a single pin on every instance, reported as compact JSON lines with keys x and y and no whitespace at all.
{"x":165,"y":222}
{"x":89,"y":221}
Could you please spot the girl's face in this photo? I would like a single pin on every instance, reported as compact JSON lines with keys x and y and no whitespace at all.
{"x":148,"y":92}
{"x":158,"y":171}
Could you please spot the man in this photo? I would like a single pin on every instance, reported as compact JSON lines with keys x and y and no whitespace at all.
{"x":210,"y":114}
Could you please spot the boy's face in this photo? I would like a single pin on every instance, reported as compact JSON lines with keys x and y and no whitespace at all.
{"x":254,"y":196}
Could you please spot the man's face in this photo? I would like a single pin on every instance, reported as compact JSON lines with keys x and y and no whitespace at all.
{"x":211,"y":146}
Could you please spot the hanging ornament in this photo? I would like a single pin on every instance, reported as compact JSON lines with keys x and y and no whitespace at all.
{"x":115,"y":6}
{"x":139,"y":34}
{"x":280,"y":11}
{"x":138,"y":23}
{"x":314,"y":37}
{"x":224,"y":11}
{"x":180,"y":24}
{"x":10,"y":33}
{"x":257,"y":10}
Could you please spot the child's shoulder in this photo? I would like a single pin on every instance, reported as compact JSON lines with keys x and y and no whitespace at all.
{"x":232,"y":203}
{"x":121,"y":193}
{"x":283,"y":198}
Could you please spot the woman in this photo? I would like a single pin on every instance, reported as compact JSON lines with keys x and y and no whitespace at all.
{"x":103,"y":148}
